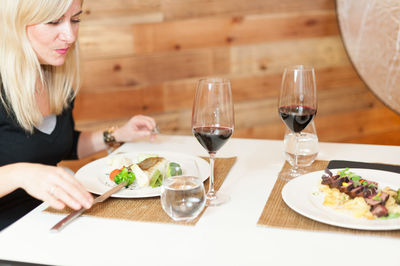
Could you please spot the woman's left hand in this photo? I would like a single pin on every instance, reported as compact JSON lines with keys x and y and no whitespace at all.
{"x":137,"y":127}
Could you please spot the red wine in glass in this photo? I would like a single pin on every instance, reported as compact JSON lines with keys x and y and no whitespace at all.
{"x":297,"y":117}
{"x":212,"y":138}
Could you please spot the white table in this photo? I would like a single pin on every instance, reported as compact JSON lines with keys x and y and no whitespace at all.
{"x":225,"y":235}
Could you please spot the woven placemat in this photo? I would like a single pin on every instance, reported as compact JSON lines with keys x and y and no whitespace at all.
{"x":277,"y":214}
{"x":148,"y":209}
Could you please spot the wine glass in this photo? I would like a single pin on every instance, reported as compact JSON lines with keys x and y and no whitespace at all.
{"x":297,"y":105}
{"x":213,"y":123}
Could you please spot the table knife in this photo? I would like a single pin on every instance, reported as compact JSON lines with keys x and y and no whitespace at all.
{"x":69,"y":218}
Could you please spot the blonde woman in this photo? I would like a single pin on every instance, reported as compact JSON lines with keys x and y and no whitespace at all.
{"x":39,"y":76}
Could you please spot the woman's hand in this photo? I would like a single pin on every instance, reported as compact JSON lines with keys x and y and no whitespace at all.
{"x":51,"y":184}
{"x":137,"y":127}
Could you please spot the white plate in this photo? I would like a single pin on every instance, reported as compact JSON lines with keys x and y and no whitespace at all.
{"x":94,"y":175}
{"x":303,"y":196}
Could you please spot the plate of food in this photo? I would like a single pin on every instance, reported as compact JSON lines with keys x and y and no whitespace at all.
{"x":143,"y":170}
{"x":356,"y":198}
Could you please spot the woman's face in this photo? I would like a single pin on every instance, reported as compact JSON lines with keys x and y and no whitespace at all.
{"x":51,"y":41}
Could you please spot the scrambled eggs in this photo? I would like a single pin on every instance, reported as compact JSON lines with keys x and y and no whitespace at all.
{"x":341,"y":201}
{"x":359,"y":208}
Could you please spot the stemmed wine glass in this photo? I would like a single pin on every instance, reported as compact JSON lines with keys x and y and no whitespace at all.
{"x":297,"y":104}
{"x":213,"y":123}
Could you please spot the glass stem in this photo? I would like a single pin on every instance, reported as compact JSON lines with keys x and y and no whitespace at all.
{"x":296,"y":151}
{"x":211,"y":191}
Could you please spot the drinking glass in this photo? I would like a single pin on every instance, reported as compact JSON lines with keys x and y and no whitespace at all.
{"x":183,"y":197}
{"x":213,"y":124}
{"x":307,"y":149}
{"x":297,"y":105}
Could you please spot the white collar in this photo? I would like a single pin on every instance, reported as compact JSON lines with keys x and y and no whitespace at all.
{"x":48,"y":125}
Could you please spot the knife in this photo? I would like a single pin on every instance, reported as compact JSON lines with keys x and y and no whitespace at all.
{"x":69,"y":218}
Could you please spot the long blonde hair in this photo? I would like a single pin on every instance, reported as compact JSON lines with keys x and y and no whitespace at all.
{"x":20,"y":67}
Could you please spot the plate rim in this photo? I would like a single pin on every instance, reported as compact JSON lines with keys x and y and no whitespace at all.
{"x":157,"y":190}
{"x":306,"y":213}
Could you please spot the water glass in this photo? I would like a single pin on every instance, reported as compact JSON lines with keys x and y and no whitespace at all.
{"x":183,"y":197}
{"x":307,"y":146}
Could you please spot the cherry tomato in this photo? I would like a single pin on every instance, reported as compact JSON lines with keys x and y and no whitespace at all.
{"x":114,"y":173}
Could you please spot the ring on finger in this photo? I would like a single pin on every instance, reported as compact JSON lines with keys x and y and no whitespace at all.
{"x":53,"y":191}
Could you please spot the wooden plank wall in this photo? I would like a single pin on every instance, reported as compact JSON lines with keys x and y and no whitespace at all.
{"x":145,"y":57}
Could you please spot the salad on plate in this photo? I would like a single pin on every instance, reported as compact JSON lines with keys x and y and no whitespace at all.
{"x":149,"y":170}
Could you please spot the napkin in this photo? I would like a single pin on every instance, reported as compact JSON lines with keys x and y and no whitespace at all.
{"x":354,"y":164}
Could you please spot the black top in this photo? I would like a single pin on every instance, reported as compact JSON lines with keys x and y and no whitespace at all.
{"x":17,"y":145}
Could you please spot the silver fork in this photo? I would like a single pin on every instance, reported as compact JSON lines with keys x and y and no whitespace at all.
{"x":156,"y":130}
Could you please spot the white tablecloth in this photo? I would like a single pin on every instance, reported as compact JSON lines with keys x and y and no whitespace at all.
{"x":225,"y":235}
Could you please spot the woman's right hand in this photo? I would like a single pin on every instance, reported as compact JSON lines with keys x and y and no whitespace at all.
{"x":51,"y":184}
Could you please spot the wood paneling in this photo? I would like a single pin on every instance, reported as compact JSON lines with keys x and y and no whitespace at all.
{"x":228,"y":31}
{"x":154,"y":68}
{"x":231,"y":61}
{"x":116,"y":12}
{"x":145,"y":57}
{"x":109,"y":40}
{"x":274,"y":56}
{"x":179,"y":9}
